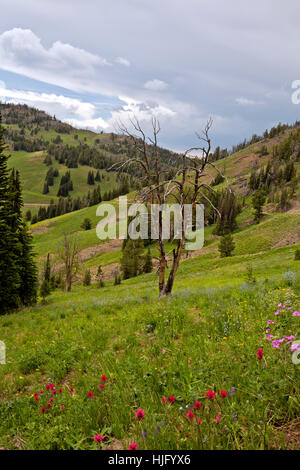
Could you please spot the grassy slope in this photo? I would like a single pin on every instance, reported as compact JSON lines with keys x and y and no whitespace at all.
{"x":210,"y":329}
{"x":33,"y":172}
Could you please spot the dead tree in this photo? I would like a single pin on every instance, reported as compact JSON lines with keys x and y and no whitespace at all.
{"x":185,"y":186}
{"x":68,"y":252}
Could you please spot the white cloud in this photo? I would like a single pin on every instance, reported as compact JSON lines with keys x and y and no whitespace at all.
{"x":96,"y":124}
{"x":122,"y":61}
{"x":156,"y":85}
{"x":248,"y":102}
{"x":51,"y":103}
{"x":64,"y":65}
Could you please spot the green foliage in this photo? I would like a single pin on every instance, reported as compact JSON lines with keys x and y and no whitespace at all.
{"x":86,"y":224}
{"x":229,"y":210}
{"x":226,"y":246}
{"x":100,"y":276}
{"x":250,"y":275}
{"x":148,"y":265}
{"x":18,"y":275}
{"x":132,"y":261}
{"x":258,"y":201}
{"x":297,"y":255}
{"x":87,"y":278}
{"x":117,"y":278}
{"x":45,"y":290}
{"x":151,"y":349}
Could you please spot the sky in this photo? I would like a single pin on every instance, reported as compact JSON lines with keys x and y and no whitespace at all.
{"x":94,"y":63}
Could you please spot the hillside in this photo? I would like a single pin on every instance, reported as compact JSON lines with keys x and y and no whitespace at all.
{"x":209,"y":367}
{"x":279,"y":228}
{"x":38,"y":142}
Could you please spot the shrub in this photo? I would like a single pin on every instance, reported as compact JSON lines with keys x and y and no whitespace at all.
{"x":226,"y":246}
{"x":86,"y":224}
{"x":87,"y":278}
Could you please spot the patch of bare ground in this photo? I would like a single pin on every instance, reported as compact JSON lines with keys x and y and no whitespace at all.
{"x":42,"y":228}
{"x":108,"y":271}
{"x":108,"y":247}
{"x":291,"y":239}
{"x":115,"y":445}
{"x":289,"y":434}
{"x":18,"y":443}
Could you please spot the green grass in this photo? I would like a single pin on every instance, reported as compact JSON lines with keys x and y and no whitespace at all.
{"x":33,"y":173}
{"x":204,"y":337}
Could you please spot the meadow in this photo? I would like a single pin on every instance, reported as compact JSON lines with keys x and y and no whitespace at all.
{"x":115,"y":367}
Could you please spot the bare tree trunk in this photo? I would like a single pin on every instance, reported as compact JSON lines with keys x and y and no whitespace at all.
{"x":158,"y":189}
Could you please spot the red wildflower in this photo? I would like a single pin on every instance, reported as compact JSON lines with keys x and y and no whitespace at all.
{"x":60,"y":390}
{"x":35,"y":394}
{"x":101,"y":386}
{"x":90,"y":395}
{"x":190,"y":416}
{"x":260,"y":354}
{"x":43,"y":410}
{"x":104,"y":378}
{"x":210,"y":395}
{"x":49,"y":405}
{"x":223,"y":394}
{"x":198,"y":420}
{"x":218,"y":418}
{"x":140,"y":414}
{"x":53,"y":392}
{"x":62,"y":407}
{"x":52,"y":386}
{"x":47,"y":386}
{"x":198,"y":405}
{"x":98,"y":438}
{"x":51,"y":400}
{"x":133,"y":446}
{"x":171,"y":399}
{"x":36,"y":398}
{"x":164,"y":400}
{"x":71,"y":390}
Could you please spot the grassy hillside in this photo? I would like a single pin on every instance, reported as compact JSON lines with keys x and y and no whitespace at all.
{"x":33,"y":172}
{"x":150,"y":349}
{"x":83,"y":363}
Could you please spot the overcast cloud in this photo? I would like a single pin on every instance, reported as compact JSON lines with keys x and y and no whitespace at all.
{"x":94,"y":62}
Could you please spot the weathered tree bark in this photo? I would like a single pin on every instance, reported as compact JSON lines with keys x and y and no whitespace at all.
{"x":158,"y":190}
{"x":68,"y":252}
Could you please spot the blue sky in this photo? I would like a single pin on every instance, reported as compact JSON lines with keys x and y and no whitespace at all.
{"x":94,"y":63}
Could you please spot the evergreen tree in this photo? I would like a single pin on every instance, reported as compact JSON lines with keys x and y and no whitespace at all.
{"x":132,"y":259}
{"x":86,"y":224}
{"x":17,"y":269}
{"x":9,"y":272}
{"x":45,"y":290}
{"x":100,"y":276}
{"x":45,"y":188}
{"x":258,"y":200}
{"x":228,"y":209}
{"x":117,"y":278}
{"x":87,"y":278}
{"x":226,"y":246}
{"x":148,"y":266}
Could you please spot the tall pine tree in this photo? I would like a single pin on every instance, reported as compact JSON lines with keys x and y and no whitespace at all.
{"x":18,"y":276}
